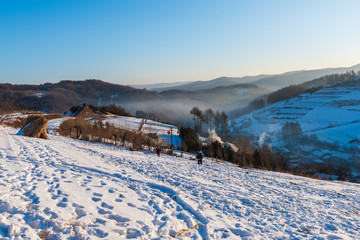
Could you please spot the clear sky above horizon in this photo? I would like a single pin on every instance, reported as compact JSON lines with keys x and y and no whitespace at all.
{"x":151,"y":41}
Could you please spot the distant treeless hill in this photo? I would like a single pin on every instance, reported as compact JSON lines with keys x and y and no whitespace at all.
{"x":270,"y":82}
{"x":218,"y":82}
{"x":154,"y":86}
{"x":298,"y":77}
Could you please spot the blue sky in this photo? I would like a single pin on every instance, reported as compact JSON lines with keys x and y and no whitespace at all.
{"x":151,"y":41}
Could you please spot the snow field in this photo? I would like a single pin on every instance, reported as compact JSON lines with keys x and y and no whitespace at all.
{"x":69,"y":189}
{"x":149,"y":126}
{"x":331,"y":114}
{"x":323,"y":113}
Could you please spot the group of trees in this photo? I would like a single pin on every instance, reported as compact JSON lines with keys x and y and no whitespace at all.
{"x":291,"y":132}
{"x":190,"y":140}
{"x":58,"y":97}
{"x":98,"y":131}
{"x":285,"y":93}
{"x":248,"y":156}
{"x":208,"y":120}
{"x":318,"y":83}
{"x":147,"y":115}
{"x":263,"y":157}
{"x":112,"y":108}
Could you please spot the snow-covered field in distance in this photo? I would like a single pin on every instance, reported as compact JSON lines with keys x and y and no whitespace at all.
{"x":130,"y":123}
{"x":161,"y":129}
{"x":332,"y":114}
{"x":63,"y":188}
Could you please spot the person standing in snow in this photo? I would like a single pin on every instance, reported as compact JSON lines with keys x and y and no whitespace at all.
{"x":158,"y":150}
{"x":199,"y":156}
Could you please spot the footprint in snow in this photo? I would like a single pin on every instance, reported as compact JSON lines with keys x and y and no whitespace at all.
{"x":101,"y":221}
{"x":51,"y":189}
{"x":50,"y":213}
{"x":98,"y":232}
{"x":95,"y":199}
{"x":63,"y":203}
{"x":164,"y":218}
{"x":133,"y":233}
{"x":77,"y":205}
{"x":103,"y":211}
{"x":118,"y":218}
{"x":105,"y":205}
{"x":35,"y":199}
{"x":80,"y":212}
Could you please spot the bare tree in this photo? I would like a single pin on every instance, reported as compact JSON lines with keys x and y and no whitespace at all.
{"x":123,"y":137}
{"x":209,"y":117}
{"x":198,"y":118}
{"x":217,"y":122}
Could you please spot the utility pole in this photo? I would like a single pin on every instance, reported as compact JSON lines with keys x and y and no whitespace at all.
{"x":171,"y":137}
{"x":171,"y":146}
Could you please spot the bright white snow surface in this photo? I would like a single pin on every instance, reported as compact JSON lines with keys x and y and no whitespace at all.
{"x":132,"y":123}
{"x":332,"y":114}
{"x":149,"y":126}
{"x":63,"y":188}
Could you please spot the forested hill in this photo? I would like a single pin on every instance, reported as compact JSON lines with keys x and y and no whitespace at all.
{"x":173,"y":106}
{"x":58,"y":97}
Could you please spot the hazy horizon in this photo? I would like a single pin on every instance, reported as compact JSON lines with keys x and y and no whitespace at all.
{"x":142,"y":42}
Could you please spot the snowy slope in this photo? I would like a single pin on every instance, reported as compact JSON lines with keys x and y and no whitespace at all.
{"x":68,"y":189}
{"x":130,"y":123}
{"x":331,"y":114}
{"x":161,"y":129}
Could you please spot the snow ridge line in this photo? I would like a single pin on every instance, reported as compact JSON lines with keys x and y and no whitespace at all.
{"x":203,"y":231}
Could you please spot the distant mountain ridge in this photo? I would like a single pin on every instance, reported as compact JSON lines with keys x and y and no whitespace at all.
{"x":218,"y":82}
{"x":298,"y":77}
{"x":173,"y":104}
{"x":154,"y":86}
{"x":270,"y":82}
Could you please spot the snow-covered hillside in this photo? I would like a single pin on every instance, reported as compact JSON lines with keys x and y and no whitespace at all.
{"x":331,"y":114}
{"x":161,"y":129}
{"x":63,"y":188}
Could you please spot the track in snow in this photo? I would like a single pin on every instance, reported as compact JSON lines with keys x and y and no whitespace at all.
{"x":78,"y":190}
